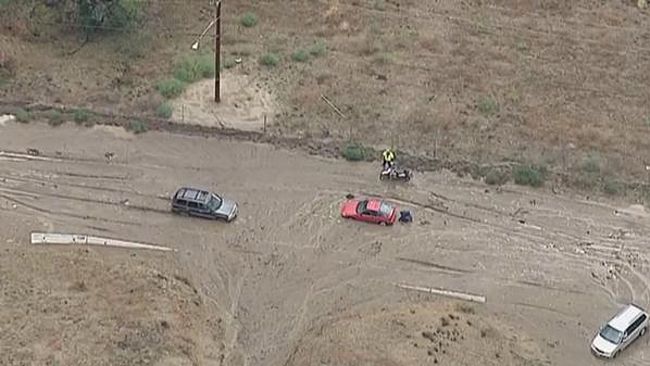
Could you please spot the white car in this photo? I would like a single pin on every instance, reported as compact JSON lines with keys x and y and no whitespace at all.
{"x":628,"y":325}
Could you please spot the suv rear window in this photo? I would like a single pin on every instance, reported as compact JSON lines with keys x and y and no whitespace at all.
{"x":181,"y":202}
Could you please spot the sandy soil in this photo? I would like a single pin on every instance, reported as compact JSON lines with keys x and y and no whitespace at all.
{"x":244,"y":104}
{"x":292,"y":282}
{"x":67,"y":306}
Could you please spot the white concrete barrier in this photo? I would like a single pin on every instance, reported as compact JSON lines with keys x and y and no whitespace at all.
{"x":81,"y":239}
{"x":454,"y":294}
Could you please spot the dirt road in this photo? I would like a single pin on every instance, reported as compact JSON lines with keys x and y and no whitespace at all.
{"x":297,"y":285}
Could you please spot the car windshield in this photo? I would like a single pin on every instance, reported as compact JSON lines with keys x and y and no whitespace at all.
{"x":385,"y":208}
{"x":611,"y":334}
{"x":214,"y":203}
{"x":361,"y":208}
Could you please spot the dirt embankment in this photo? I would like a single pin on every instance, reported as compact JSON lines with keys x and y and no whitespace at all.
{"x":417,"y":334}
{"x":65,"y":306}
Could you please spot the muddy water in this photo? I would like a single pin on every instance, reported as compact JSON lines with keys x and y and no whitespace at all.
{"x":551,"y":267}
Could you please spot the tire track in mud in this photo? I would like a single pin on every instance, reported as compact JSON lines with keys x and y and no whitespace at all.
{"x":45,"y":182}
{"x":233,"y":324}
{"x":590,"y":261}
{"x":86,"y":200}
{"x":62,"y":159}
{"x":549,"y":234}
{"x":61,"y":213}
{"x":92,"y":176}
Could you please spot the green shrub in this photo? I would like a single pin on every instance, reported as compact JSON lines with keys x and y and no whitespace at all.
{"x":54,"y":118}
{"x":318,"y":49}
{"x":23,"y":116}
{"x":195,"y":68}
{"x":95,"y":16}
{"x":488,"y":106}
{"x":270,"y":59}
{"x":300,"y":56}
{"x":612,"y":187}
{"x":591,"y":164}
{"x":164,"y":110}
{"x":249,"y":20}
{"x":170,"y":88}
{"x":80,"y":116}
{"x":528,"y":175}
{"x":354,"y":152}
{"x":137,"y":127}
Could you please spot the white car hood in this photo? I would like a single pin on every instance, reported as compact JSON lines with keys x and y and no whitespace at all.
{"x":603,"y":344}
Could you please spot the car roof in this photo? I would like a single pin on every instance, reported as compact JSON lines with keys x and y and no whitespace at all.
{"x":193,"y":194}
{"x":625,"y":317}
{"x":373,"y":204}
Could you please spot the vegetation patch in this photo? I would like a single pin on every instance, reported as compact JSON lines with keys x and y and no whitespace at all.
{"x":55,"y":118}
{"x":23,"y":116}
{"x":300,"y":56}
{"x":487,"y":106}
{"x":170,"y":88}
{"x":592,"y":164}
{"x":355,"y":152}
{"x":95,"y":16}
{"x":270,"y":59}
{"x":228,"y":63}
{"x":318,"y":49}
{"x":80,"y":116}
{"x":164,"y":110}
{"x":137,"y":127}
{"x":612,"y":187}
{"x":529,"y":175}
{"x":249,"y":20}
{"x":195,"y":68}
{"x":189,"y":70}
{"x":496,"y":177}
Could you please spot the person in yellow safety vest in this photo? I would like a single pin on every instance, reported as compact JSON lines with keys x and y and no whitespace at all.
{"x":389,"y":157}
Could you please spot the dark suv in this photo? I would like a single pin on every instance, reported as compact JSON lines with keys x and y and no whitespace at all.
{"x":197,"y":202}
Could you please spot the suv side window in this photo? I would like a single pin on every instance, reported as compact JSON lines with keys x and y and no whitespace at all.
{"x":192,"y":204}
{"x":181,"y":202}
{"x":635,"y":325}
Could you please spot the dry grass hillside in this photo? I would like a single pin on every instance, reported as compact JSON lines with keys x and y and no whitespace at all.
{"x":555,"y":84}
{"x":419,"y":334}
{"x":88,"y":307}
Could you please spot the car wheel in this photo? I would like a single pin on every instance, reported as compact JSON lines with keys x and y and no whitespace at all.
{"x":615,"y":354}
{"x":643,"y":332}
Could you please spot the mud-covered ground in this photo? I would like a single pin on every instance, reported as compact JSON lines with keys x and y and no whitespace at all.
{"x":292,"y":283}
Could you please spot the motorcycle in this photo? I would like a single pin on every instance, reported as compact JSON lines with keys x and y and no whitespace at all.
{"x":395,"y":174}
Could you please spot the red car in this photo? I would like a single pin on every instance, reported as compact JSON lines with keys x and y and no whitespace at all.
{"x":371,"y":210}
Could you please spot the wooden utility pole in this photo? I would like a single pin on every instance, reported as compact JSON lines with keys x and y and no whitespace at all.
{"x":217,"y":54}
